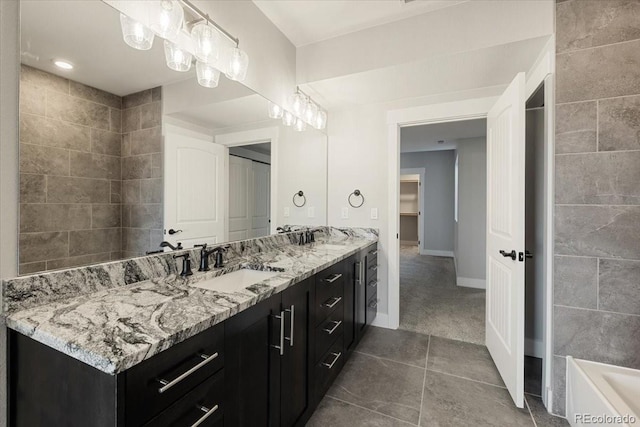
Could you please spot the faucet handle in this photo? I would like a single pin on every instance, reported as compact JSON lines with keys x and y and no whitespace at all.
{"x":186,"y":264}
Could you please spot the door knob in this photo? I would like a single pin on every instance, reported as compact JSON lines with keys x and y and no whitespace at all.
{"x":172,"y":231}
{"x":511,"y":254}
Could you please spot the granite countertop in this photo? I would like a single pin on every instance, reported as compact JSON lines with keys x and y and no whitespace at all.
{"x":117,"y":328}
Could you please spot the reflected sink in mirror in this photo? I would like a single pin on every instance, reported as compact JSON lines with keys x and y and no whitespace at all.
{"x":236,"y":281}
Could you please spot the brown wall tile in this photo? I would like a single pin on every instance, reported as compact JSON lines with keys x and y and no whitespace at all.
{"x":116,"y":191}
{"x":116,"y":120}
{"x":78,"y":261}
{"x":602,"y":72}
{"x":583,"y":24}
{"x":32,"y":100}
{"x":138,"y":98}
{"x":95,"y":95}
{"x":619,"y":124}
{"x":88,"y":165}
{"x":576,"y":126}
{"x":43,"y":246}
{"x":43,"y":160}
{"x":77,"y":190}
{"x":157,"y":236}
{"x":33,"y":188}
{"x":97,"y":241}
{"x":156,"y":94}
{"x":106,"y":142}
{"x":619,"y":286}
{"x":32,"y":267}
{"x":105,"y":216}
{"x":40,"y":130}
{"x":575,"y":281}
{"x":131,"y":119}
{"x":146,"y":216}
{"x":54,"y":217}
{"x":146,"y":141}
{"x":42,"y":79}
{"x":135,"y":241}
{"x":131,"y":191}
{"x":136,"y":167}
{"x":76,"y":110}
{"x":150,"y":115}
{"x":156,"y":166}
{"x":151,"y":190}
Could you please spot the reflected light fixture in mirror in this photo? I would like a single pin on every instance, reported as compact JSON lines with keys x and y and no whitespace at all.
{"x":310,"y":112}
{"x":165,"y":18}
{"x":135,"y":34}
{"x":320,"y":121}
{"x":275,"y":111}
{"x":301,"y":125}
{"x":206,"y":42}
{"x":208,"y":76}
{"x":238,"y":65}
{"x":288,"y":119}
{"x":298,"y":103}
{"x":177,"y":58}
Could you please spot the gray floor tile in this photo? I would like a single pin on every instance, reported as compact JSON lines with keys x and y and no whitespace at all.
{"x":452,"y":401}
{"x":432,"y":304}
{"x":463,"y":359}
{"x":335,"y":413}
{"x":541,"y":416}
{"x":397,"y":345}
{"x":381,"y":385}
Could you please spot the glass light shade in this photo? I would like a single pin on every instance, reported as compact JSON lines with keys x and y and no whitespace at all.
{"x":206,"y":42}
{"x":275,"y":111}
{"x":135,"y":34}
{"x":301,"y":125}
{"x":177,"y":58}
{"x":298,"y":103}
{"x":238,"y":65}
{"x":165,"y":18}
{"x":208,"y":76}
{"x":310,"y":112}
{"x":320,"y":121}
{"x":288,"y":119}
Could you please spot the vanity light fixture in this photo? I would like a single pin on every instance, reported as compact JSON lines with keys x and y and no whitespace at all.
{"x":275,"y":111}
{"x":200,"y":37}
{"x":63,"y":64}
{"x":320,"y":121}
{"x":298,"y":103}
{"x":288,"y":119}
{"x":301,"y":125}
{"x":311,"y":112}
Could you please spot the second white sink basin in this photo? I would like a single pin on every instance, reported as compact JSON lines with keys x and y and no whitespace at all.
{"x":236,"y":281}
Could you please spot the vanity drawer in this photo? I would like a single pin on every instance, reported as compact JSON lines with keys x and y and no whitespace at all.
{"x":329,"y":330}
{"x":372,"y":308}
{"x":203,"y":404}
{"x":329,"y":367}
{"x":372,"y":287}
{"x":372,"y":256}
{"x":329,"y":291}
{"x":154,"y":384}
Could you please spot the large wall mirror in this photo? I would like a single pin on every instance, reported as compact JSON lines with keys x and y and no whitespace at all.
{"x":121,"y":153}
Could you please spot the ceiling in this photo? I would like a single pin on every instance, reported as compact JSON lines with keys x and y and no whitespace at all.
{"x":426,"y":137}
{"x":310,"y":21}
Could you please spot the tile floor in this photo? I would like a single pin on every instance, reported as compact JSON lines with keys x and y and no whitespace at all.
{"x":402,"y":378}
{"x":432,"y":304}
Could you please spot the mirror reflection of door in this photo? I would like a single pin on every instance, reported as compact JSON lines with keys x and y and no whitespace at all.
{"x":249,"y":191}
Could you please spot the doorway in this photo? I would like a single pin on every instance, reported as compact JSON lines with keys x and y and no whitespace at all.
{"x":249,"y":191}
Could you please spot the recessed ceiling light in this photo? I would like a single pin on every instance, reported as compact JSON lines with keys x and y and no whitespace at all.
{"x":63,"y":64}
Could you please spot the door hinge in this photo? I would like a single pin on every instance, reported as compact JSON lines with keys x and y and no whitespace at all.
{"x":397,"y":236}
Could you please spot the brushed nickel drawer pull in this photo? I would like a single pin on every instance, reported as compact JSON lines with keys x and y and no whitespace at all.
{"x":373,"y":283}
{"x":336,"y":357}
{"x":166,"y":385}
{"x":359,"y":271}
{"x":374,"y":268}
{"x":281,"y":346}
{"x":291,"y":310}
{"x":335,"y":326}
{"x":375,"y":252}
{"x":336,"y":300}
{"x":373,"y":304}
{"x":207,"y":413}
{"x":333,"y":278}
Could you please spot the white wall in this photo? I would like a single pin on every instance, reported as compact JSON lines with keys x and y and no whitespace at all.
{"x":302,"y":165}
{"x":438,"y":192}
{"x":472,"y":212}
{"x":9,"y":66}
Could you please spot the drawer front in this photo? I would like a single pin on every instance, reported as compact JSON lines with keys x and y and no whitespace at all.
{"x":202,"y":405}
{"x":372,"y":308}
{"x":327,"y":306}
{"x":154,"y":384}
{"x":329,"y":330}
{"x":372,"y":256}
{"x":330,"y":283}
{"x":372,"y":287}
{"x":329,"y":367}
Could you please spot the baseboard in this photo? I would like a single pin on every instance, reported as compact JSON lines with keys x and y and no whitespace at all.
{"x":381,"y":320}
{"x":467,"y":282}
{"x":408,"y":243}
{"x":533,"y":347}
{"x":448,"y":254}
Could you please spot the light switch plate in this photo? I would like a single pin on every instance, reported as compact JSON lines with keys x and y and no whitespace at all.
{"x":345,"y":213}
{"x":286,"y":211}
{"x":311,"y":212}
{"x":374,"y":213}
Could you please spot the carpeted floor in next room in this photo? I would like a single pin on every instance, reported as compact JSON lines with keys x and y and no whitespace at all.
{"x":432,"y":304}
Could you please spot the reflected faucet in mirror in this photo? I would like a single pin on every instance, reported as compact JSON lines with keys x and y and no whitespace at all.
{"x":284,"y":229}
{"x":166,"y":244}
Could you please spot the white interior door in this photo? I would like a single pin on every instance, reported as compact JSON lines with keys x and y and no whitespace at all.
{"x":194,"y":189}
{"x":240,"y":198}
{"x":505,"y":232}
{"x":261,"y":199}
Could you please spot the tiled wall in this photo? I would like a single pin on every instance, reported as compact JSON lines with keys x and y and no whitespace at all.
{"x":597,"y":241}
{"x":142,"y":190}
{"x":70,"y":142}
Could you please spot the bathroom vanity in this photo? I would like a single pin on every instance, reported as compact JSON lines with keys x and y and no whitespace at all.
{"x":165,"y":352}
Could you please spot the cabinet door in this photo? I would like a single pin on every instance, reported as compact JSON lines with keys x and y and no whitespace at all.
{"x":297,"y":302}
{"x":351,"y":267}
{"x":252,"y":365}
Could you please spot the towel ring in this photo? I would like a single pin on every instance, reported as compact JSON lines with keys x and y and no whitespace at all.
{"x":299,"y":194}
{"x":356,"y":193}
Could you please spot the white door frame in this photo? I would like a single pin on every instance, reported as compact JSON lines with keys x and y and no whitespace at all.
{"x":541,"y":72}
{"x":256,"y":136}
{"x":422,"y":173}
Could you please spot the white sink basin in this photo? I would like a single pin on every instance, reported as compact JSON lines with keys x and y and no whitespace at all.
{"x":236,"y":281}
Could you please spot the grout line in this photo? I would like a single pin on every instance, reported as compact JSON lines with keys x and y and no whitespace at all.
{"x":598,"y":283}
{"x":389,"y":360}
{"x":424,"y":380}
{"x":370,"y":410}
{"x":577,"y":153}
{"x":468,"y":379}
{"x":597,"y":257}
{"x":597,"y":99}
{"x":597,"y":310}
{"x":582,"y":49}
{"x":598,"y":205}
{"x":598,"y":125}
{"x":526,"y":402}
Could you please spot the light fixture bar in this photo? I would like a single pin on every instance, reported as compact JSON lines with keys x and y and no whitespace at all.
{"x":205,"y":16}
{"x":310,"y":97}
